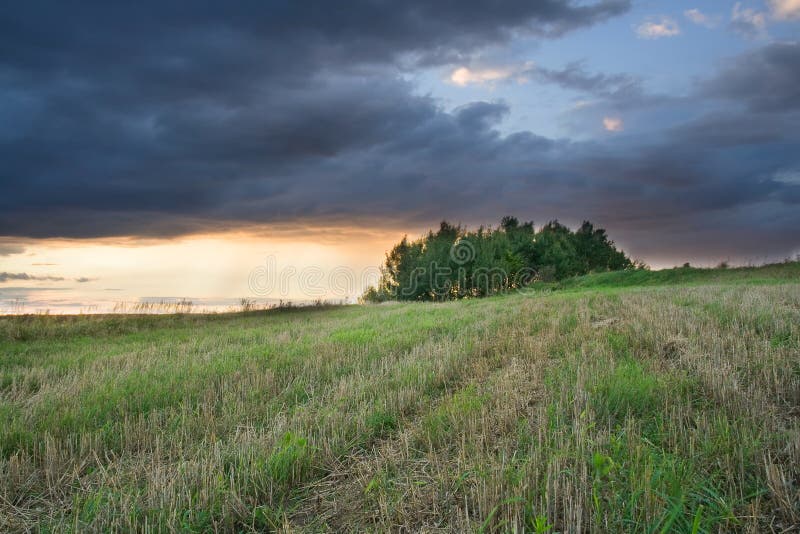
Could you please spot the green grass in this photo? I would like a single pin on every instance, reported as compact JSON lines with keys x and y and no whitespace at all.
{"x":766,"y":274}
{"x":610,"y":405}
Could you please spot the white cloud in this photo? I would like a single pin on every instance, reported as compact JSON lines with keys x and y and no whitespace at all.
{"x":657,"y":28}
{"x":748,"y":21}
{"x":464,"y":75}
{"x":784,"y":9}
{"x":613,"y":124}
{"x":700,"y":18}
{"x":791,"y":177}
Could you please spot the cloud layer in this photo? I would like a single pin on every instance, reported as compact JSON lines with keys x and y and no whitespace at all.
{"x":658,"y":27}
{"x":159,"y":121}
{"x":25,"y":277}
{"x":785,"y":9}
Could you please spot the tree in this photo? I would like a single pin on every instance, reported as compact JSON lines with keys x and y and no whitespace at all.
{"x":457,"y":263}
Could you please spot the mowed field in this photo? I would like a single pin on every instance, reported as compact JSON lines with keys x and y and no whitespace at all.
{"x":663,"y":403}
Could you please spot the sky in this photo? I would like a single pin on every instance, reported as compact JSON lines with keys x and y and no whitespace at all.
{"x":276,"y":150}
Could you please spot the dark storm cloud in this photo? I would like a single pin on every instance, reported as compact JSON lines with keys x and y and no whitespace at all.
{"x":767,"y":79}
{"x":182,"y":38}
{"x":575,"y":77}
{"x":481,"y":115}
{"x":156,"y":120}
{"x":737,"y":129}
{"x":159,"y":121}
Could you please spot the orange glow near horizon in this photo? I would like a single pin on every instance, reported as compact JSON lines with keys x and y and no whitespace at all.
{"x":214,"y":267}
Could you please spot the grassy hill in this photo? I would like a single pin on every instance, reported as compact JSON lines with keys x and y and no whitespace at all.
{"x":775,"y":273}
{"x":636,"y":401}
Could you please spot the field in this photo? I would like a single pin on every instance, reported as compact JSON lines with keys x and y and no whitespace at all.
{"x":643,"y":402}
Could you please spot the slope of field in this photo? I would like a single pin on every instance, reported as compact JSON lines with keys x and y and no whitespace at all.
{"x":648,"y":409}
{"x":775,"y":273}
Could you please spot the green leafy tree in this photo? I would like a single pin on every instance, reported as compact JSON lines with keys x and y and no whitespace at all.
{"x":454,"y":262}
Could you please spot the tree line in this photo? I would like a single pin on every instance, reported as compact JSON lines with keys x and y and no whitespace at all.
{"x":455,"y":262}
